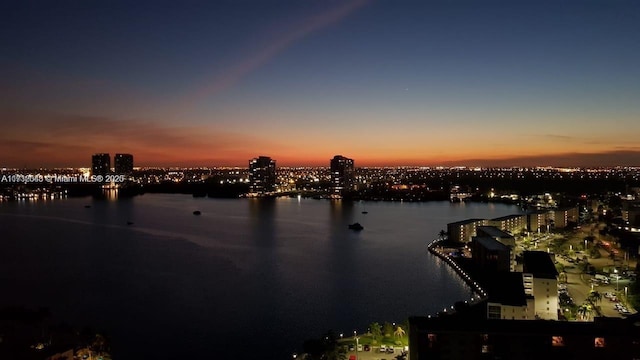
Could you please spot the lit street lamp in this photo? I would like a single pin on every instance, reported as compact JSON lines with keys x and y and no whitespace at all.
{"x":615,"y":271}
{"x":357,"y":338}
{"x":626,"y":294}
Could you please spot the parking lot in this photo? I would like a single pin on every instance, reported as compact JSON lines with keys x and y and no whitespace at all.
{"x":375,"y":353}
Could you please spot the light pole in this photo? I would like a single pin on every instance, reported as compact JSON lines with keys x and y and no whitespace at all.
{"x":615,"y":271}
{"x":357,"y":338}
{"x":626,"y":294}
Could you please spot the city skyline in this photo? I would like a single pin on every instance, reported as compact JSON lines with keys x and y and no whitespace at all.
{"x":403,"y":83}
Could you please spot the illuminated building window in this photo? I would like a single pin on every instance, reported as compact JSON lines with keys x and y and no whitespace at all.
{"x":486,"y":349}
{"x":494,"y":312}
{"x":599,"y":342}
{"x":557,"y":341}
{"x":432,"y":339}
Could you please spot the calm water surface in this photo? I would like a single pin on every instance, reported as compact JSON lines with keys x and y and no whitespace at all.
{"x":248,"y":278}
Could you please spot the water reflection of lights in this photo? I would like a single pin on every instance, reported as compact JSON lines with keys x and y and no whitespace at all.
{"x":457,"y":269}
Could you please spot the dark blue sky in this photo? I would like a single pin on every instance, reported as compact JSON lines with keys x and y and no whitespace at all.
{"x":385,"y":82}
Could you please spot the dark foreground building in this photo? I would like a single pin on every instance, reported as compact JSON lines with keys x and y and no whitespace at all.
{"x":468,"y":334}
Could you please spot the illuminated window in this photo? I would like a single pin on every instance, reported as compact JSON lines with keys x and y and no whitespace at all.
{"x":599,"y":342}
{"x":494,"y":312}
{"x":432,"y":339}
{"x":557,"y":341}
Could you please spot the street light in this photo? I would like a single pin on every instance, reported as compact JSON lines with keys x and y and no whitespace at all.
{"x":357,"y":338}
{"x":615,"y":271}
{"x":626,"y":294}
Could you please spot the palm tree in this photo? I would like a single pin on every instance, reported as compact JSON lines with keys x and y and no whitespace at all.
{"x":594,"y":297}
{"x":562,"y":278}
{"x":442,"y":234}
{"x":584,"y":311}
{"x":376,"y":330}
{"x":399,"y":332}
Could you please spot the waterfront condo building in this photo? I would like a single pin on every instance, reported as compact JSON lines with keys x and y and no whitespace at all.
{"x":507,"y":299}
{"x":100,"y":164}
{"x":490,"y":254}
{"x":123,"y":164}
{"x":262,"y":175}
{"x":502,"y":237}
{"x":515,"y":224}
{"x":463,"y":231}
{"x":342,"y":175}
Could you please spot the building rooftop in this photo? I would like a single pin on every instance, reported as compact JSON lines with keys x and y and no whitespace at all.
{"x":465,"y":222}
{"x":539,"y":264}
{"x":493,"y":232}
{"x":508,"y":217}
{"x":506,"y":288}
{"x":473,"y":321}
{"x":490,"y":243}
{"x":537,"y":212}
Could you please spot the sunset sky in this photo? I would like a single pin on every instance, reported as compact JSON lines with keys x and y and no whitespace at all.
{"x":384,"y":82}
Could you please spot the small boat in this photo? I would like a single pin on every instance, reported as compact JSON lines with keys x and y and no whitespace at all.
{"x":87,"y":206}
{"x":356,"y":226}
{"x":365,"y":212}
{"x":129,"y":222}
{"x":197,"y":212}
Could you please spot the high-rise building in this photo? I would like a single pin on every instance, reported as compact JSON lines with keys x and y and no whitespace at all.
{"x":262,"y":175}
{"x":100,"y":164}
{"x":342,"y":175}
{"x":123,"y":164}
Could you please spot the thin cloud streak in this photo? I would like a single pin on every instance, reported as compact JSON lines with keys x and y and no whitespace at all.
{"x":233,"y":75}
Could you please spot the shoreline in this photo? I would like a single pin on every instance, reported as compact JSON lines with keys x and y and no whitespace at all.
{"x":475,"y":287}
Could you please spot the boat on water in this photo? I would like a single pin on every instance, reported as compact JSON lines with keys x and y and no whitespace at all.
{"x":365,"y":212}
{"x":197,"y":212}
{"x":87,"y":206}
{"x":356,"y":226}
{"x":129,"y":222}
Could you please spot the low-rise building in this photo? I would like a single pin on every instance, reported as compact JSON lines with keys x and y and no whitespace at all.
{"x":490,"y":254}
{"x":507,"y":299}
{"x":541,"y":281}
{"x":502,"y":237}
{"x":565,"y":217}
{"x":539,"y":221}
{"x":514,"y":224}
{"x":463,"y":231}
